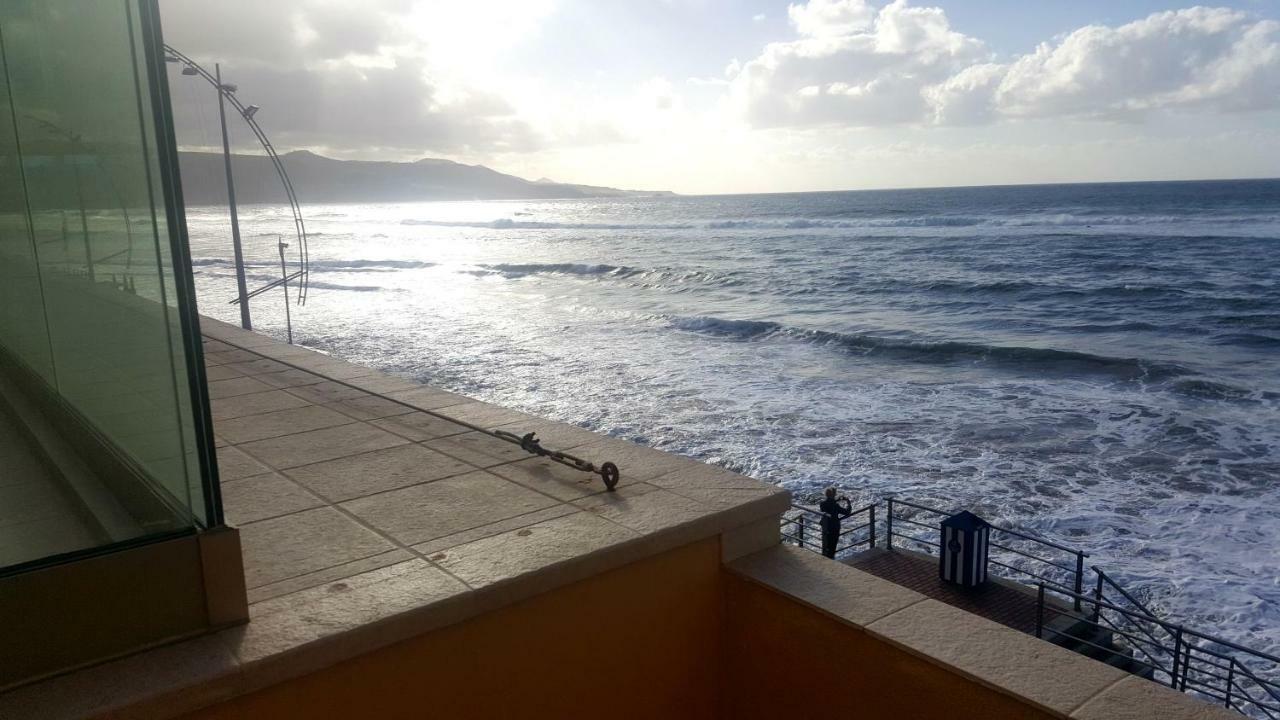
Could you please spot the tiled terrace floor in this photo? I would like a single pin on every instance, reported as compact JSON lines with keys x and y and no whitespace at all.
{"x":1003,"y":604}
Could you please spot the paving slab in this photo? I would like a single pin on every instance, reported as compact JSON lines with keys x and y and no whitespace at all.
{"x":346,"y":478}
{"x":281,"y":422}
{"x":303,"y":542}
{"x":314,"y":446}
{"x":259,"y":497}
{"x":430,"y":510}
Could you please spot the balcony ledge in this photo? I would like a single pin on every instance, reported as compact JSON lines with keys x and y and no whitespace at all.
{"x":367,"y":520}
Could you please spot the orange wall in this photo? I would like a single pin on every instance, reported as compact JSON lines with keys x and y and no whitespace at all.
{"x":641,"y":641}
{"x":783,"y":659}
{"x":673,"y":636}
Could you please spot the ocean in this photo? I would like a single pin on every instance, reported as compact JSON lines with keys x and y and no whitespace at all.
{"x":1097,"y":364}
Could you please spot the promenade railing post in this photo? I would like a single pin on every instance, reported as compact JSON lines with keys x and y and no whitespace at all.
{"x":1231,"y":679}
{"x":1079,"y":578}
{"x":1040,"y":612}
{"x":1177,"y":658}
{"x":872,"y":525}
{"x":1097,"y":596}
{"x":888,"y":525}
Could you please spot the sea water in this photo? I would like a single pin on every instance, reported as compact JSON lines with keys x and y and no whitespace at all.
{"x":1098,"y":364}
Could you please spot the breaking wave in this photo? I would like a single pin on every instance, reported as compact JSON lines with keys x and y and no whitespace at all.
{"x":1041,"y":360}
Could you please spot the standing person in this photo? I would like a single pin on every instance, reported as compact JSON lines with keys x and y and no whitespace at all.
{"x":833,"y":511}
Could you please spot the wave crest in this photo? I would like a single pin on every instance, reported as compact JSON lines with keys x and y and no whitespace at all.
{"x":1018,"y":358}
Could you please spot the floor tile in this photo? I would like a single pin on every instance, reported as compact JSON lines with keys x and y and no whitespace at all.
{"x":532,"y":548}
{"x":304,"y":542}
{"x":264,"y":496}
{"x":235,"y":386}
{"x":327,"y":392}
{"x":419,"y":426}
{"x":484,"y":415}
{"x":377,"y":471}
{"x":370,"y":408}
{"x":320,"y":445}
{"x":234,"y":464}
{"x":281,"y":422}
{"x":290,"y":378}
{"x":423,"y":512}
{"x":262,"y":402}
{"x":478,"y":449}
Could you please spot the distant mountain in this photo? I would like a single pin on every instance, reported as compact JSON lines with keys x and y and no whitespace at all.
{"x":318,"y":179}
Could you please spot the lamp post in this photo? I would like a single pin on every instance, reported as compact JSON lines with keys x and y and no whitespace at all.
{"x":226,"y":94}
{"x":245,"y":321}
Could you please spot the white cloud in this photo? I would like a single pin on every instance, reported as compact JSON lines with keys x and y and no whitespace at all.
{"x":857,"y":66}
{"x":822,"y":18}
{"x":851,"y":70}
{"x":1201,"y":57}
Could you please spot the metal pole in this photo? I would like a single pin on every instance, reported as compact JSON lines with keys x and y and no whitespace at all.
{"x":1177,"y":658}
{"x":1040,"y":612}
{"x":1097,"y":596}
{"x":1079,"y":578}
{"x":284,"y":277}
{"x":1231,"y":681}
{"x":245,"y":322}
{"x":888,"y":527}
{"x":873,"y":527}
{"x":84,"y":220}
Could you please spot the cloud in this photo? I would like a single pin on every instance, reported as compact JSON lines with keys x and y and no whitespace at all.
{"x":853,"y":65}
{"x":1198,"y":58}
{"x":349,"y":77}
{"x":823,"y":18}
{"x":852,"y":69}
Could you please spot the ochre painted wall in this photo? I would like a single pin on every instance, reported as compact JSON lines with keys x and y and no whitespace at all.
{"x":782,"y":659}
{"x":641,"y":641}
{"x":673,"y":636}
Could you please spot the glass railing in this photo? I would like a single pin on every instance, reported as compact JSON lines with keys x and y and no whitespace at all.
{"x":97,"y":316}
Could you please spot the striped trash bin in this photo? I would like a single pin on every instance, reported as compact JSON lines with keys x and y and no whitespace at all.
{"x":965,"y":542}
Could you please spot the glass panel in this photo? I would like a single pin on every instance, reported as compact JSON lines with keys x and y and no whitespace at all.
{"x":90,"y":288}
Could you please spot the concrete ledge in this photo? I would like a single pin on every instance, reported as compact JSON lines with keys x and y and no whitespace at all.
{"x":1039,"y":674}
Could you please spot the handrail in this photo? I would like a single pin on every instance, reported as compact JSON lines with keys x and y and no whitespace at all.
{"x":1190,"y":661}
{"x":1105,"y":578}
{"x":1193,"y":661}
{"x":802,"y":540}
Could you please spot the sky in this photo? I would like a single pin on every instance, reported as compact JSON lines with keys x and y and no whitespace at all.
{"x":724,"y":96}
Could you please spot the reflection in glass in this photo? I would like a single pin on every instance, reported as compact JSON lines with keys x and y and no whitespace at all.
{"x":88,"y":302}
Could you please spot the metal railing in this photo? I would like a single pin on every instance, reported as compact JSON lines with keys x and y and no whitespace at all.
{"x":802,"y":526}
{"x":1014,"y":555}
{"x":1217,"y":670}
{"x":1109,"y":624}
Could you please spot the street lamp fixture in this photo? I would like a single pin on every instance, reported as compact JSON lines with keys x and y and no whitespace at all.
{"x":226,"y":93}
